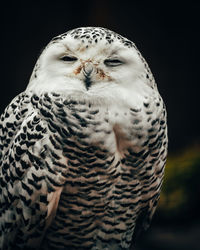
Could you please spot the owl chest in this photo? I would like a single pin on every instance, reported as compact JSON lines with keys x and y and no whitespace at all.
{"x":98,"y":190}
{"x":89,"y":133}
{"x":89,"y":150}
{"x":91,"y":139}
{"x":96,"y":131}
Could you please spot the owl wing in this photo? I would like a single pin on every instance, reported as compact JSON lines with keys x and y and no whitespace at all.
{"x":29,"y":186}
{"x":142,"y":157}
{"x":148,"y":162}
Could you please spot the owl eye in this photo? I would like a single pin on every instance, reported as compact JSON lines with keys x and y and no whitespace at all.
{"x":68,"y":58}
{"x":112,"y":62}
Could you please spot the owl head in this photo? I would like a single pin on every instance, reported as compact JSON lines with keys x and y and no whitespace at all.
{"x":91,"y":61}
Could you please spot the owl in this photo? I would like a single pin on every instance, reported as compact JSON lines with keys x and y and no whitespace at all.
{"x":83,"y":148}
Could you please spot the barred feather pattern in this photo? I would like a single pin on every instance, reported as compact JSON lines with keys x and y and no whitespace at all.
{"x":72,"y":178}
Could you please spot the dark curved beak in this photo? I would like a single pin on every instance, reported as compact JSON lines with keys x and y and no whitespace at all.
{"x":88,"y":68}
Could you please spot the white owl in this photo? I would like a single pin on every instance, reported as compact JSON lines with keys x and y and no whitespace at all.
{"x":83,"y":148}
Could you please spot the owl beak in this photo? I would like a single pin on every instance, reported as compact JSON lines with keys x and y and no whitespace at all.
{"x":88,"y":68}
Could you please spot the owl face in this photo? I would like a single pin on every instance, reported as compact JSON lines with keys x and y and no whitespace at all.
{"x":89,"y":60}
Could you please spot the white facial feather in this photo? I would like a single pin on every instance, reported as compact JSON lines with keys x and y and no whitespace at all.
{"x":126,"y":80}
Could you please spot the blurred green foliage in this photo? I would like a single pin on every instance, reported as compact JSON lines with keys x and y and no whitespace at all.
{"x":180,"y":196}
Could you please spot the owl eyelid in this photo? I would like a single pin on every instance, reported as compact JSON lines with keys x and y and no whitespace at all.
{"x":113,"y":62}
{"x":68,"y":58}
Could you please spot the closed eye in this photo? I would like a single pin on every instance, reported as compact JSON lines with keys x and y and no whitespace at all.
{"x":69,"y":58}
{"x":112,"y":62}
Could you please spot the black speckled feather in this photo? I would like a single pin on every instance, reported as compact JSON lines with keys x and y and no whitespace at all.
{"x":80,"y":172}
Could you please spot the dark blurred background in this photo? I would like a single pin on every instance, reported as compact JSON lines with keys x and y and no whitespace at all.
{"x":167,"y":34}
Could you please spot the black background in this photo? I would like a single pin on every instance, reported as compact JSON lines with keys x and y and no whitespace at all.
{"x":166,"y":33}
